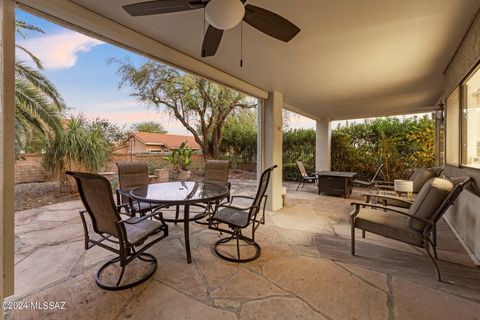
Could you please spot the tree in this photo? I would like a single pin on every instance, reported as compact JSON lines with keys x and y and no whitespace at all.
{"x":149,"y":126}
{"x":38,"y":104}
{"x":239,"y":143}
{"x":83,"y":146}
{"x":113,"y":133}
{"x":200,"y":105}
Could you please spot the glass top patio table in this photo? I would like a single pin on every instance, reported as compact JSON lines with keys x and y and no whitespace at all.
{"x":181,"y":193}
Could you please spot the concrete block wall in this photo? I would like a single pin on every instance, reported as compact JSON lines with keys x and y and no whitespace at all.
{"x":29,"y":169}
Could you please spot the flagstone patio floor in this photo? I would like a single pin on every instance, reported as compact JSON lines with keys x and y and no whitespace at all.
{"x":305,"y":271}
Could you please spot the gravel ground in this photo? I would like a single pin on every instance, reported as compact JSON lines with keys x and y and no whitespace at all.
{"x":34,"y":195}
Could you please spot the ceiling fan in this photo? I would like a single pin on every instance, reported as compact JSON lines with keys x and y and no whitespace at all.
{"x":221,"y":15}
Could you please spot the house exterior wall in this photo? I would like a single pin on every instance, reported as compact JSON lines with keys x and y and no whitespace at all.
{"x":464,"y":216}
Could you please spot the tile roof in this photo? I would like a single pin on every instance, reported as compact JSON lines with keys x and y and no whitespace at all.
{"x":171,"y":141}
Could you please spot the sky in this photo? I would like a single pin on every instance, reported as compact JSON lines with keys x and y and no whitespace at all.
{"x":79,"y":67}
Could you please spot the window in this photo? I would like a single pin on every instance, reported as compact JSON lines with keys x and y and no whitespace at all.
{"x":471,"y":121}
{"x":452,"y":119}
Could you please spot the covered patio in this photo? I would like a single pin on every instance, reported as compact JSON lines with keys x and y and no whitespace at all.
{"x":352,"y":60}
{"x":305,"y":271}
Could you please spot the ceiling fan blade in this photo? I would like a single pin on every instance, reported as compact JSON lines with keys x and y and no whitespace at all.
{"x":270,"y":23}
{"x":162,"y":6}
{"x":211,"y":41}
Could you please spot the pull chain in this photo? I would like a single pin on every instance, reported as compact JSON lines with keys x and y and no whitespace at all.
{"x":204,"y":31}
{"x":241,"y":44}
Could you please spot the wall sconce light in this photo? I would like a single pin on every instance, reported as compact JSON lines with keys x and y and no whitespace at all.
{"x":440,"y":112}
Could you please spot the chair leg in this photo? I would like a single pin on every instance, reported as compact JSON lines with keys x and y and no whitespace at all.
{"x":427,"y":248}
{"x":142,"y":256}
{"x":434,"y":248}
{"x":238,"y":245}
{"x":299,"y":183}
{"x":434,"y":235}
{"x":353,"y":239}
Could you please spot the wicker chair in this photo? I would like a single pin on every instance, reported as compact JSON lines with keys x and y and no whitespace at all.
{"x":129,"y":237}
{"x":415,"y":226}
{"x":132,"y":175}
{"x":238,"y":218}
{"x":304,"y":176}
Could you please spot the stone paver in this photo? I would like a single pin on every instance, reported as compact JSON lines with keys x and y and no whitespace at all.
{"x":330,"y":289}
{"x":278,"y":309}
{"x":159,"y":301}
{"x":305,"y":271}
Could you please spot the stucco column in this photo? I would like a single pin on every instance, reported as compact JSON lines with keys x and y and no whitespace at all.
{"x":270,"y":143}
{"x":7,"y":145}
{"x":323,"y":145}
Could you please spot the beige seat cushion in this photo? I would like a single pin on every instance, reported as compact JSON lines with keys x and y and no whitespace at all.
{"x":419,"y":177}
{"x":428,"y":200}
{"x":388,"y":224}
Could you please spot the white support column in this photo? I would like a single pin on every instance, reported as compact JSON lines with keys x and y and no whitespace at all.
{"x":323,"y":145}
{"x":7,"y":145}
{"x":270,"y":143}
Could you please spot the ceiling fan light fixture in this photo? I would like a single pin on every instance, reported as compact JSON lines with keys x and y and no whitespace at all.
{"x":224,"y":14}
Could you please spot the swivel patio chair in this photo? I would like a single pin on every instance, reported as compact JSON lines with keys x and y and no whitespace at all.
{"x":132,"y":175}
{"x":304,"y":176}
{"x":238,"y":218}
{"x":216,"y":171}
{"x":364,"y":181}
{"x":415,"y":226}
{"x":128,"y":237}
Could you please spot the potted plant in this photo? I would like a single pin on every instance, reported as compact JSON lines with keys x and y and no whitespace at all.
{"x":181,"y":159}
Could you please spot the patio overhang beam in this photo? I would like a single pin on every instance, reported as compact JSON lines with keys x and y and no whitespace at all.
{"x":80,"y":19}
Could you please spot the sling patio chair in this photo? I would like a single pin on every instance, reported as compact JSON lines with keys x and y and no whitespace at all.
{"x":364,"y":181}
{"x":127,"y":237}
{"x":216,"y":171}
{"x":415,"y":226}
{"x":132,"y":175}
{"x":304,"y":176}
{"x":238,"y":218}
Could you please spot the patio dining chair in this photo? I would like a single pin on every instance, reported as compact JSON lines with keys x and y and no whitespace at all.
{"x":415,"y":226}
{"x":304,"y":176}
{"x":216,"y":171}
{"x":132,"y":175}
{"x":364,"y":181}
{"x":127,"y":237}
{"x":238,"y":218}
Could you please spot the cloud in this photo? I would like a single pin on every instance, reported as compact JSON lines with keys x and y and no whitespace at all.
{"x":58,"y":51}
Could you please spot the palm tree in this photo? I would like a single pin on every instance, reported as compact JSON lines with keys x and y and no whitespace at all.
{"x":38,"y":104}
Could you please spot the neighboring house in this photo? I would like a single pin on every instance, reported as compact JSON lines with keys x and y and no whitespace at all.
{"x":144,"y":142}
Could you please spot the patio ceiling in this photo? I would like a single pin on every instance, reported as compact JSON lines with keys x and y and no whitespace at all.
{"x":352,"y":59}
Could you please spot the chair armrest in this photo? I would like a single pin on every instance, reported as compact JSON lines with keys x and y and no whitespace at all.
{"x":229,"y":203}
{"x":363,"y":177}
{"x":244,"y":197}
{"x":385,"y":197}
{"x":386,"y":209}
{"x":125,"y":206}
{"x":135,"y":220}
